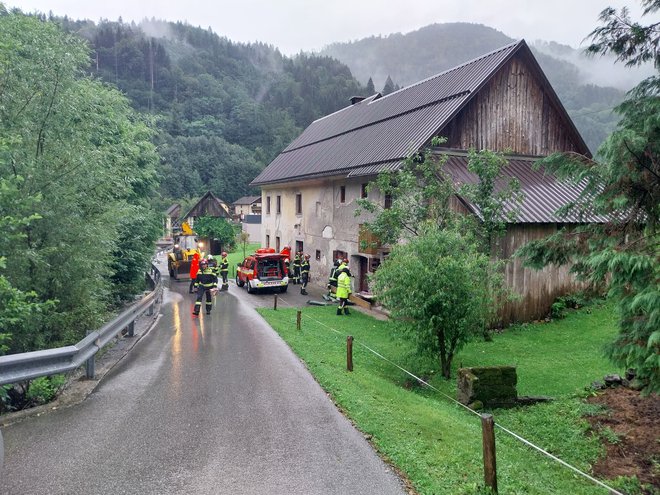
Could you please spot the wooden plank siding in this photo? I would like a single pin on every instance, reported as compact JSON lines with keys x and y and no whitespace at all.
{"x":537,"y":289}
{"x":511,"y":113}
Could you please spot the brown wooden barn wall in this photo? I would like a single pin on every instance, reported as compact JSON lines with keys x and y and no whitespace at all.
{"x":512,"y":112}
{"x":537,"y":289}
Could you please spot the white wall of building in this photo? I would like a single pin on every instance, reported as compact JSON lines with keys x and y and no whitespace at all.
{"x":326,"y":224}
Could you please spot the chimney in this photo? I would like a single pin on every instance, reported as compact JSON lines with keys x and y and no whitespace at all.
{"x":357,"y":99}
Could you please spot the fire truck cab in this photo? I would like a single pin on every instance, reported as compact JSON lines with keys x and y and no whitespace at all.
{"x":265,"y":269}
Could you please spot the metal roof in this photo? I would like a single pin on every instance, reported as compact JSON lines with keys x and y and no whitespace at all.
{"x":379,"y":130}
{"x":247,"y":200}
{"x":543,"y":194}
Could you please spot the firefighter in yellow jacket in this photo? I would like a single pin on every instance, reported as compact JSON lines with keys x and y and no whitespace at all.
{"x":224,"y":270}
{"x":343,"y":288}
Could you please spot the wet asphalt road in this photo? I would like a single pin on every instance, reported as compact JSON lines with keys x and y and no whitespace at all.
{"x":215,"y":405}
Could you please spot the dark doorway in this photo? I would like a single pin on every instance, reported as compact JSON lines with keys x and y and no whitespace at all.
{"x":364,"y":270}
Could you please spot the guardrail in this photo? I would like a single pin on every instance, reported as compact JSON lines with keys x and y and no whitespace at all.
{"x":15,"y":368}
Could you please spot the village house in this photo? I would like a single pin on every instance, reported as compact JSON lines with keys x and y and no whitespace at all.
{"x":208,"y":206}
{"x":500,"y":101}
{"x":247,"y":205}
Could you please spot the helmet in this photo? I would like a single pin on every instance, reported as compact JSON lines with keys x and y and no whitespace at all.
{"x":203,"y":263}
{"x":209,"y":257}
{"x":345,"y":261}
{"x":307,"y":256}
{"x":224,"y":253}
{"x":337,"y":262}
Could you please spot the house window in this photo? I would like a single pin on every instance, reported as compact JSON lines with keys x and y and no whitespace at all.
{"x":298,"y":204}
{"x":388,"y":201}
{"x":267,"y":240}
{"x":267,"y":205}
{"x":277,"y":244}
{"x":363,"y":191}
{"x":278,"y":204}
{"x":318,"y":255}
{"x":339,"y":255}
{"x":299,"y":246}
{"x":342,"y":194}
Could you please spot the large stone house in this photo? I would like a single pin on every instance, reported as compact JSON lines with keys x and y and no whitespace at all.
{"x":500,"y":101}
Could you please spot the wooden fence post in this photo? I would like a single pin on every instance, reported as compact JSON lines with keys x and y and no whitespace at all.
{"x":488,"y":437}
{"x":349,"y":353}
{"x":298,"y":320}
{"x":275,"y":303}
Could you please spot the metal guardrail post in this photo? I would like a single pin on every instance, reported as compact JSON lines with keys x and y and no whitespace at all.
{"x":131,"y":329}
{"x":89,"y":367}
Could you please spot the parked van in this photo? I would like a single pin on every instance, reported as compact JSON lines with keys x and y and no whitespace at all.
{"x":264,"y":269}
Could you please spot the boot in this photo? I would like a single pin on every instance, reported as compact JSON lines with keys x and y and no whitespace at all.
{"x":346,"y":311}
{"x":303,"y":292}
{"x":338,"y":311}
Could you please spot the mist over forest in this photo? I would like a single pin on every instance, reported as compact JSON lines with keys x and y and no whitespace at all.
{"x":224,"y":109}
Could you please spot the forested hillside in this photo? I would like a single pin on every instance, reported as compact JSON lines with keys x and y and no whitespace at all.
{"x":408,"y":58}
{"x":223,"y":110}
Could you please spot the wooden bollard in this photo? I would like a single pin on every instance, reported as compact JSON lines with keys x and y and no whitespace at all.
{"x":349,"y":353}
{"x":298,"y":320}
{"x":488,"y":437}
{"x":275,"y":302}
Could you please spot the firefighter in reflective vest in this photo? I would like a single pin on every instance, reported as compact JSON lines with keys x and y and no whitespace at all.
{"x":296,"y":268}
{"x":205,"y":281}
{"x":224,"y":270}
{"x":213,"y":264}
{"x":343,"y":288}
{"x":343,"y":265}
{"x":304,"y":274}
{"x":332,"y":279}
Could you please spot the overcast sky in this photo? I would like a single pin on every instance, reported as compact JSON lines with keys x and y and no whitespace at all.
{"x":309,"y":25}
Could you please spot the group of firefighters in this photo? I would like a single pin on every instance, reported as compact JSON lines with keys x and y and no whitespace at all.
{"x":299,"y":271}
{"x":339,"y":279}
{"x":206,"y":271}
{"x":204,"y":275}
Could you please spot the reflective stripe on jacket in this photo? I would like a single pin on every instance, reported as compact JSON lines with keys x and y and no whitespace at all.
{"x":206,"y":278}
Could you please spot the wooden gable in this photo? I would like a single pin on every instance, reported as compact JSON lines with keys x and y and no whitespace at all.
{"x":515,"y":111}
{"x":209,"y":206}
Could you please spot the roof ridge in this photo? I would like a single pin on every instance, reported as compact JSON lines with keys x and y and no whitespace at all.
{"x":452,"y":69}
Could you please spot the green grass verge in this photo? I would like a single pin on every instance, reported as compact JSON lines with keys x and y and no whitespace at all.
{"x":236,"y":256}
{"x":436,"y":443}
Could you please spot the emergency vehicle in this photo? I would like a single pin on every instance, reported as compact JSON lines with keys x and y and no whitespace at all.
{"x":265,"y":269}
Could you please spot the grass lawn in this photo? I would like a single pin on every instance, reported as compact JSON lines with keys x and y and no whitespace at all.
{"x":236,"y":256}
{"x":436,"y":443}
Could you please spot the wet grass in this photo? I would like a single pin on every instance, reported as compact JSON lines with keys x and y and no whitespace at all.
{"x":436,"y":443}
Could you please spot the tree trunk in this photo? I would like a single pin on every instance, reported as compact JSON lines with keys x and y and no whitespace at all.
{"x":445,"y":361}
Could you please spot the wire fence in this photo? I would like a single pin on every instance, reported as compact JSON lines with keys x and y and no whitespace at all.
{"x":451,"y":399}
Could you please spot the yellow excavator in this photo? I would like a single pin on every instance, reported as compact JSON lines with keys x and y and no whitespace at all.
{"x":186,"y":244}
